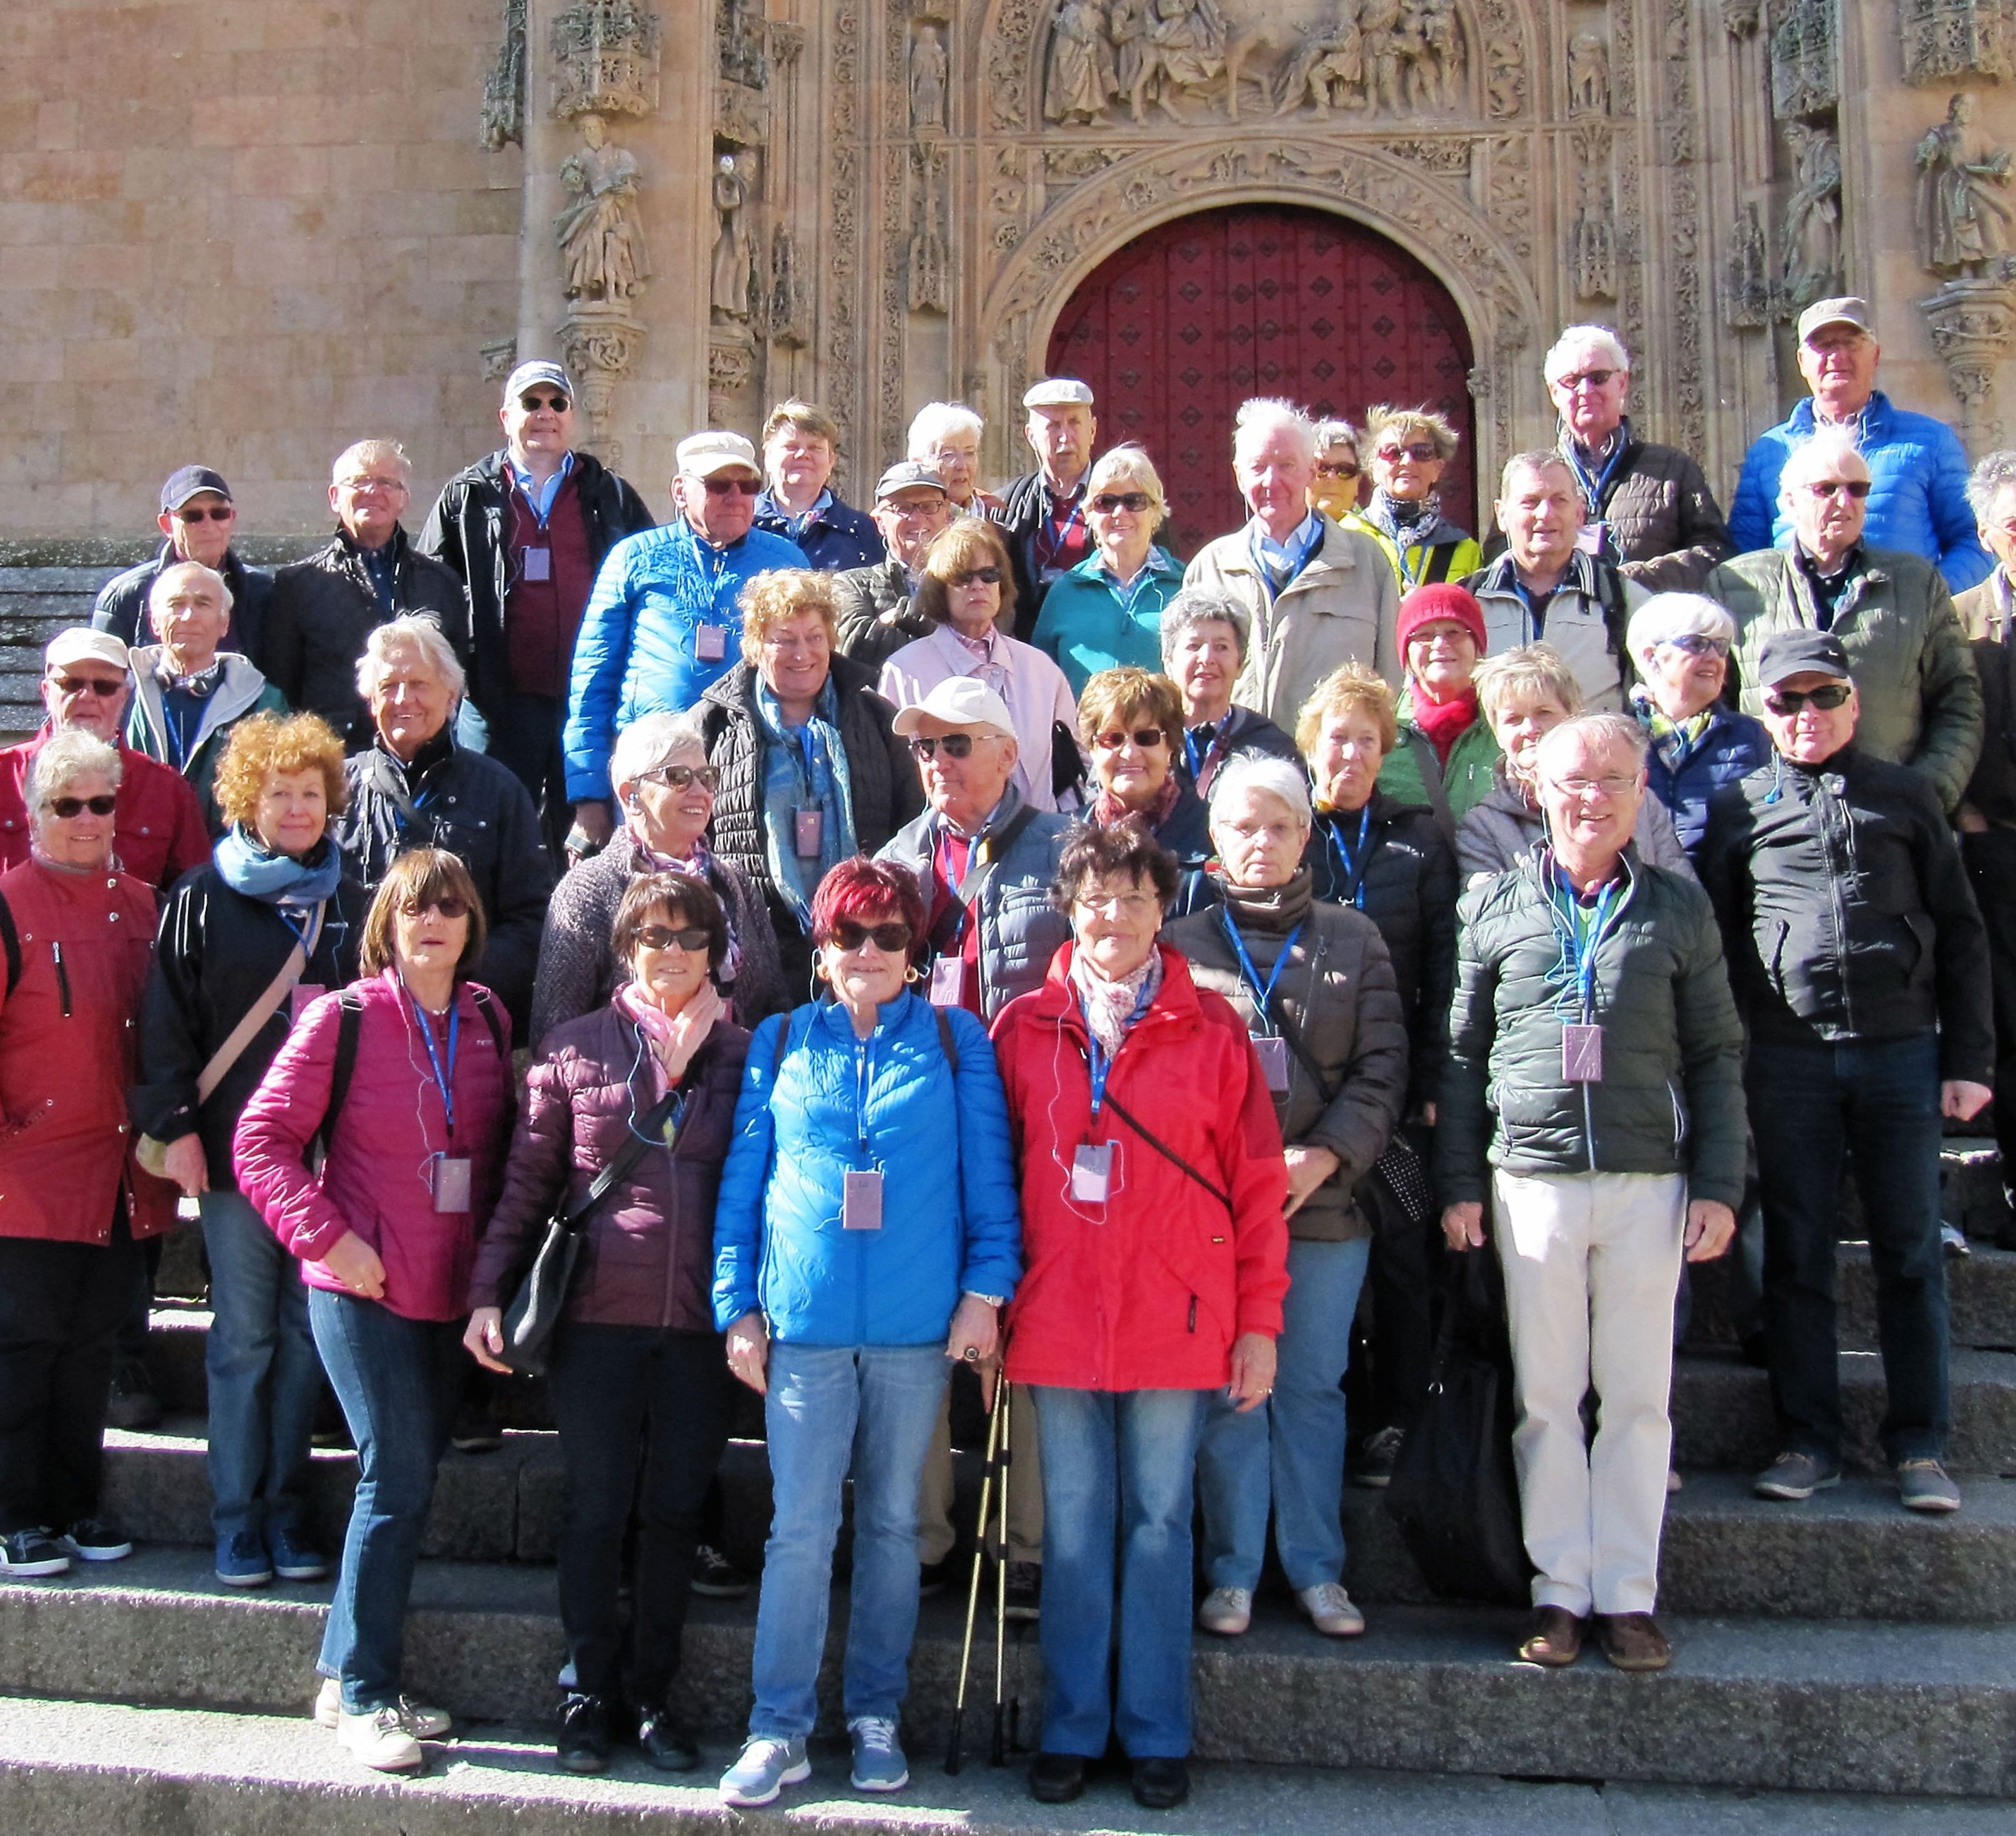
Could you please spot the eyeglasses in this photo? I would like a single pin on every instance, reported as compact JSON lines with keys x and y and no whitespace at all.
{"x":732,"y":487}
{"x":1857,"y":488}
{"x":1828,"y":696}
{"x":983,"y":577}
{"x":690,"y":938}
{"x":69,"y":809}
{"x":1695,"y":643}
{"x":1421,"y":453}
{"x":447,"y":904}
{"x":1107,"y":501}
{"x":532,"y":404}
{"x":1337,"y":469}
{"x":1118,"y":904}
{"x":679,"y":777}
{"x":354,"y":485}
{"x":97,"y":685}
{"x":216,"y":513}
{"x":957,"y":745}
{"x":893,"y":937}
{"x":1147,"y":738}
{"x":1595,"y":379}
{"x":1582,"y":787}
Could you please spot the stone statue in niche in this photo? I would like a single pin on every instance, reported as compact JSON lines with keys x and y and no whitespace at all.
{"x":1749,"y":291}
{"x":733,"y":257}
{"x":1812,"y":216}
{"x":602,"y":246}
{"x":1963,"y":224}
{"x":1588,"y":75}
{"x":927,"y":78}
{"x":1081,"y":78}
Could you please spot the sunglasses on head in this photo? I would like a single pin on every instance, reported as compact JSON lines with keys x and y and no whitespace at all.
{"x":733,"y":487}
{"x":679,"y":777}
{"x":893,"y":937}
{"x":1421,"y":453}
{"x":1857,"y":488}
{"x":1337,"y":469}
{"x":89,"y":685}
{"x":1829,"y":695}
{"x":69,"y":809}
{"x":957,"y":745}
{"x":982,"y":576}
{"x":690,"y":938}
{"x":1107,"y":502}
{"x":216,"y":513}
{"x":1595,"y":379}
{"x":447,"y":904}
{"x":532,"y":404}
{"x":1147,"y":738}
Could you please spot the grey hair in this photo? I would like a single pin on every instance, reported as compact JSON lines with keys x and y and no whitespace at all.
{"x":1986,"y":482}
{"x":62,"y":758}
{"x":1827,"y":448}
{"x":1265,"y":413}
{"x":1556,"y":362}
{"x":1536,"y":460}
{"x":1603,"y":730}
{"x":1336,"y":433}
{"x":652,"y":741}
{"x":934,"y":420}
{"x":363,"y":451}
{"x":1191,"y":606}
{"x":1668,"y":615}
{"x":1262,"y":772}
{"x":1383,"y":417}
{"x":415,"y":632}
{"x":209,"y":573}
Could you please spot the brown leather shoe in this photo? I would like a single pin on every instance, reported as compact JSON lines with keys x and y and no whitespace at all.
{"x":1555,"y":1639}
{"x":1633,"y":1641}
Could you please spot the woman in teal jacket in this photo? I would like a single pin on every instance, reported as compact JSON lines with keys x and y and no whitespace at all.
{"x":867,"y":1232}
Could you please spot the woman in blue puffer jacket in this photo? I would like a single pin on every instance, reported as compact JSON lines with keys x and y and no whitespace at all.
{"x":867,"y":1233}
{"x":1680,"y":642}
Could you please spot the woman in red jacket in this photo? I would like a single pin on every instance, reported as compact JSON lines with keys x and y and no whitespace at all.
{"x":78,"y":934}
{"x":1156,"y":1260}
{"x":414,"y":1146}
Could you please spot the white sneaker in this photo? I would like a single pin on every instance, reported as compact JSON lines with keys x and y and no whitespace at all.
{"x":766,"y":1764}
{"x":421,"y":1722}
{"x":1330,"y":1609}
{"x":379,"y":1740}
{"x":1226,"y":1611}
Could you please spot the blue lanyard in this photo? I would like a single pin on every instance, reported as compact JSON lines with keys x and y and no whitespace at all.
{"x":1354,"y":871}
{"x":1097,"y":1062}
{"x":1190,"y":752}
{"x":1592,"y":486}
{"x":1579,"y":955}
{"x":444,"y":1080}
{"x":1252,"y":974}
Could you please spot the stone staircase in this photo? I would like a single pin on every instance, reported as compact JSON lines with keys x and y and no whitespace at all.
{"x":35,"y":603}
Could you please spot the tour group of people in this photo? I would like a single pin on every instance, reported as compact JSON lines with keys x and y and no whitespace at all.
{"x":962,"y":934}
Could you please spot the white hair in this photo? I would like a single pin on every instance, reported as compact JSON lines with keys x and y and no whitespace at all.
{"x":1667,"y":616}
{"x":156,"y":593}
{"x":1996,"y":473}
{"x":1600,"y":337}
{"x":1264,"y":775}
{"x":934,"y":420}
{"x":1595,"y":732}
{"x":61,"y":760}
{"x":413,"y":631}
{"x":1264,"y":414}
{"x":1827,"y":449}
{"x":652,"y":741}
{"x":364,"y":452}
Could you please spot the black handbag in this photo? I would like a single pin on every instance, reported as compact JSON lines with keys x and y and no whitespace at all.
{"x":534,"y":1310}
{"x":1454,"y":1493}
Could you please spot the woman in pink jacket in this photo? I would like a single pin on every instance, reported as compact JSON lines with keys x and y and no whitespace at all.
{"x":405,"y":1077}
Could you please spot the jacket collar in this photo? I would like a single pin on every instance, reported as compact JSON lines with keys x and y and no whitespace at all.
{"x":1176,"y":999}
{"x":237,"y":693}
{"x":1878,"y":419}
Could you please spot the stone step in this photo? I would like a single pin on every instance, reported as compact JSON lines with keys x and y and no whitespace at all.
{"x":1853,"y":1552}
{"x":35,"y":603}
{"x":165,"y":1772}
{"x":1836,"y":1706}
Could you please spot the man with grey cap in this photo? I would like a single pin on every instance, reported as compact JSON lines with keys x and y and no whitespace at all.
{"x":1917,"y":467}
{"x":1043,"y":511}
{"x":1860,"y":966}
{"x":199,"y":519}
{"x":664,"y":622}
{"x":525,"y":529}
{"x":985,"y":862}
{"x":873,"y":615}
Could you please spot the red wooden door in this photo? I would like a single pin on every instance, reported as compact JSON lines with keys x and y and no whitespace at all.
{"x":1178,"y":328}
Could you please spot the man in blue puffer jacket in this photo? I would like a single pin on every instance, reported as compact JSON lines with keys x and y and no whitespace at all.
{"x":664,"y":622}
{"x":1917,"y":467}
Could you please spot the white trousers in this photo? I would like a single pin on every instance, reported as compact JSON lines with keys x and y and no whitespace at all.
{"x":1591,"y":1262}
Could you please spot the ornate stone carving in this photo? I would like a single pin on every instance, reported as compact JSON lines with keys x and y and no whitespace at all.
{"x":1592,"y":239}
{"x":928,"y":72}
{"x":929,"y":268}
{"x":499,"y":359}
{"x":738,"y":38}
{"x":606,"y":58}
{"x":1505,"y":77}
{"x":1079,"y":79}
{"x":601,"y":241}
{"x":1805,"y":60}
{"x":1812,"y":220}
{"x":791,"y":315}
{"x":1511,"y":192}
{"x":598,"y":343}
{"x":1588,"y":75}
{"x":1747,"y":291}
{"x":503,"y":123}
{"x":1007,"y":63}
{"x":787,"y":42}
{"x":1689,"y":397}
{"x":733,"y":266}
{"x":1973,"y":328}
{"x":1963,"y":224}
{"x":1680,"y":114}
{"x":1740,"y":18}
{"x":1451,"y":157}
{"x":731,"y":367}
{"x":1948,"y":38}
{"x":741,"y":115}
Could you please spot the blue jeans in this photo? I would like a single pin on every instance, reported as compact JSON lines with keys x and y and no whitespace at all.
{"x":398,"y":1380}
{"x":1807,"y":1104}
{"x":1117,"y":1492}
{"x":831,"y":1407}
{"x":265,"y":1377}
{"x":1292,"y":1447}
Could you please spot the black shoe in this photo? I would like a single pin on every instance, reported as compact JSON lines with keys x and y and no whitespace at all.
{"x":1056,"y":1778}
{"x":935,"y":1577}
{"x":714,"y":1575}
{"x":1161,"y":1785}
{"x":474,"y":1432}
{"x":586,"y":1741}
{"x":132,"y":1404}
{"x":666,"y":1741}
{"x":1373,"y":1466}
{"x":1025,"y":1590}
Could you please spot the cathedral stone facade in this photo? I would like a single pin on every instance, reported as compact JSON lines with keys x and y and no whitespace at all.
{"x":247,"y":234}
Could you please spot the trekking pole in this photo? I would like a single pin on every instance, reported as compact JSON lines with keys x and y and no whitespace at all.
{"x":1004,"y":1401}
{"x":953,"y":1755}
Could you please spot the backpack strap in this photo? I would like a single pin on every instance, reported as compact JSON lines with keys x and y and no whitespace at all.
{"x":486,"y":1005}
{"x":950,"y":1045}
{"x":1441,"y":563}
{"x":1609,"y":586}
{"x":350,"y":1024}
{"x":10,"y":941}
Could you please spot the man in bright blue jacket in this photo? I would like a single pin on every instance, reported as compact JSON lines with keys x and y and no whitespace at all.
{"x":1917,"y":467}
{"x":664,"y":622}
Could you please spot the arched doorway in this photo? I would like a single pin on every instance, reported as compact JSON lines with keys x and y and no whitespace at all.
{"x":1188,"y":321}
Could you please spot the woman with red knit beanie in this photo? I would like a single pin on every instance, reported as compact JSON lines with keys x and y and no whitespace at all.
{"x":1446,"y":749}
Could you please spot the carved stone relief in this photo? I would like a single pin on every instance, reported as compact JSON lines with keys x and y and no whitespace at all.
{"x":1805,"y":60}
{"x":1972,"y":324}
{"x":499,"y":359}
{"x":740,"y":41}
{"x":1811,"y":238}
{"x":601,"y":240}
{"x":1510,"y":197}
{"x":1591,"y":240}
{"x":791,"y":313}
{"x":503,"y":122}
{"x":930,"y":268}
{"x":1740,"y":18}
{"x":606,"y":58}
{"x":1748,"y":288}
{"x":1963,"y":212}
{"x":1689,"y":397}
{"x":928,"y":72}
{"x":1948,"y":38}
{"x":1588,"y":75}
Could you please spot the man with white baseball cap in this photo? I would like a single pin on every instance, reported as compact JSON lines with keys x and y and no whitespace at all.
{"x":527,"y":529}
{"x":1043,"y":511}
{"x":199,"y":519}
{"x":1917,"y":467}
{"x":664,"y":622}
{"x":158,"y":832}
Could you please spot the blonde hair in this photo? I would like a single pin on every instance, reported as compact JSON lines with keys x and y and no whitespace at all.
{"x":1129,"y":465}
{"x":257,"y":747}
{"x":1382,"y":418}
{"x":1353,"y":688}
{"x":803,"y":416}
{"x":1117,"y":695}
{"x":1531,"y":669}
{"x":784,"y":593}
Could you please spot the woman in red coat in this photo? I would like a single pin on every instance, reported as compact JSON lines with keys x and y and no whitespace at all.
{"x":386,"y":1237}
{"x":1153,"y":1184}
{"x":77,"y":935}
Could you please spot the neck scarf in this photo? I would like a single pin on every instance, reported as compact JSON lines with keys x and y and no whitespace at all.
{"x":700,"y":865}
{"x":1274,"y":910}
{"x":1109,"y":1006}
{"x":1444,"y":722}
{"x":804,"y":768}
{"x":248,"y":867}
{"x":1674,"y":741}
{"x":1108,"y":809}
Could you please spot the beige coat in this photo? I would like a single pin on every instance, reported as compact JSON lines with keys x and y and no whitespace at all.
{"x":1986,"y":610}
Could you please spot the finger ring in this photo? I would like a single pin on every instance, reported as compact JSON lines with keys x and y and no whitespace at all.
{"x":971,"y":1354}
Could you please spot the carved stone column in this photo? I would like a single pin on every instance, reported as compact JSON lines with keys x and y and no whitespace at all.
{"x":1973,"y":328}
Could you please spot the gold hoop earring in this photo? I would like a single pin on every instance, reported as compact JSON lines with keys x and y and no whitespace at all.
{"x":913,"y":974}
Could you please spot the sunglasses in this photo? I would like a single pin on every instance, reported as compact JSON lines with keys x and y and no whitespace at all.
{"x":1421,"y":453}
{"x":1828,"y":696}
{"x":679,"y":777}
{"x":893,"y":937}
{"x":532,"y":404}
{"x":1595,"y":379}
{"x":216,"y":513}
{"x":96,"y":685}
{"x":982,"y":576}
{"x":1694,"y":643}
{"x":1147,"y":738}
{"x":1337,"y":469}
{"x":690,"y":938}
{"x":957,"y":745}
{"x":733,"y":487}
{"x":1857,"y":488}
{"x":1107,"y":502}
{"x":447,"y":904}
{"x":69,"y":809}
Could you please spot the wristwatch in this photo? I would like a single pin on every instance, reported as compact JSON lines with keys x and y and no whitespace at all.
{"x":992,"y":1300}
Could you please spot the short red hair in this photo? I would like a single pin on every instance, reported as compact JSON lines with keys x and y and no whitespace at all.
{"x":868,"y":892}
